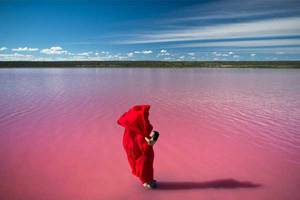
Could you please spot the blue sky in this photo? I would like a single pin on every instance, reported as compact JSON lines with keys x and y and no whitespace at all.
{"x":150,"y":30}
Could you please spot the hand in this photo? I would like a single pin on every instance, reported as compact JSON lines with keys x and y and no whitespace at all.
{"x":150,"y":141}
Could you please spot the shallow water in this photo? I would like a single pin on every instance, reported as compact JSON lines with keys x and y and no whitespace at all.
{"x":219,"y":129}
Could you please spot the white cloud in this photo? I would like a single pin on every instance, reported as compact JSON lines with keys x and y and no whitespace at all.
{"x":233,"y":9}
{"x":191,"y":54}
{"x":230,"y":53}
{"x":181,"y":57}
{"x":147,"y":52}
{"x":54,"y":51}
{"x":253,"y":54}
{"x":130,"y":54}
{"x":163,"y":52}
{"x":84,"y":53}
{"x":15,"y":56}
{"x":143,"y":52}
{"x":288,"y":26}
{"x":244,"y":43}
{"x":91,"y":56}
{"x":3,"y":48}
{"x":236,"y":56}
{"x":217,"y":54}
{"x":25,"y":49}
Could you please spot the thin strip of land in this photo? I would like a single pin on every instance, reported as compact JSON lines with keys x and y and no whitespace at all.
{"x":149,"y":64}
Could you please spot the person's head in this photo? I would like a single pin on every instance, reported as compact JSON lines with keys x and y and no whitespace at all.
{"x":154,"y":135}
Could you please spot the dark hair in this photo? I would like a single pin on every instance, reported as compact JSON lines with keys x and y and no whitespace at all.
{"x":156,"y":135}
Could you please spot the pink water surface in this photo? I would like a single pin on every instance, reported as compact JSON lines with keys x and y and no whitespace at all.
{"x":225,"y":133}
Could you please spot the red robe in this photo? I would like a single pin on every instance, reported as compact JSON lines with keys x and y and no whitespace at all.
{"x":140,"y":155}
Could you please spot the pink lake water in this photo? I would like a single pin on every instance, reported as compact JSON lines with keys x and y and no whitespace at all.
{"x":225,"y":133}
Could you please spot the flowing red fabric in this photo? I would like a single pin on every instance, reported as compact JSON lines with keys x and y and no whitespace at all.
{"x":140,"y":155}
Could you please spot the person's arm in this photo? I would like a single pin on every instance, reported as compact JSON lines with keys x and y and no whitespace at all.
{"x":150,"y":141}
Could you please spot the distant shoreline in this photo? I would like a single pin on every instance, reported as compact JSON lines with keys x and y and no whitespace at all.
{"x":149,"y":64}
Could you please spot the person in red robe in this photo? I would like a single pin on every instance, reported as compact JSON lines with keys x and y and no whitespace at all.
{"x":138,"y":143}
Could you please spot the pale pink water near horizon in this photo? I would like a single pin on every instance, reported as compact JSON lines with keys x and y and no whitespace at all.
{"x":225,"y":133}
